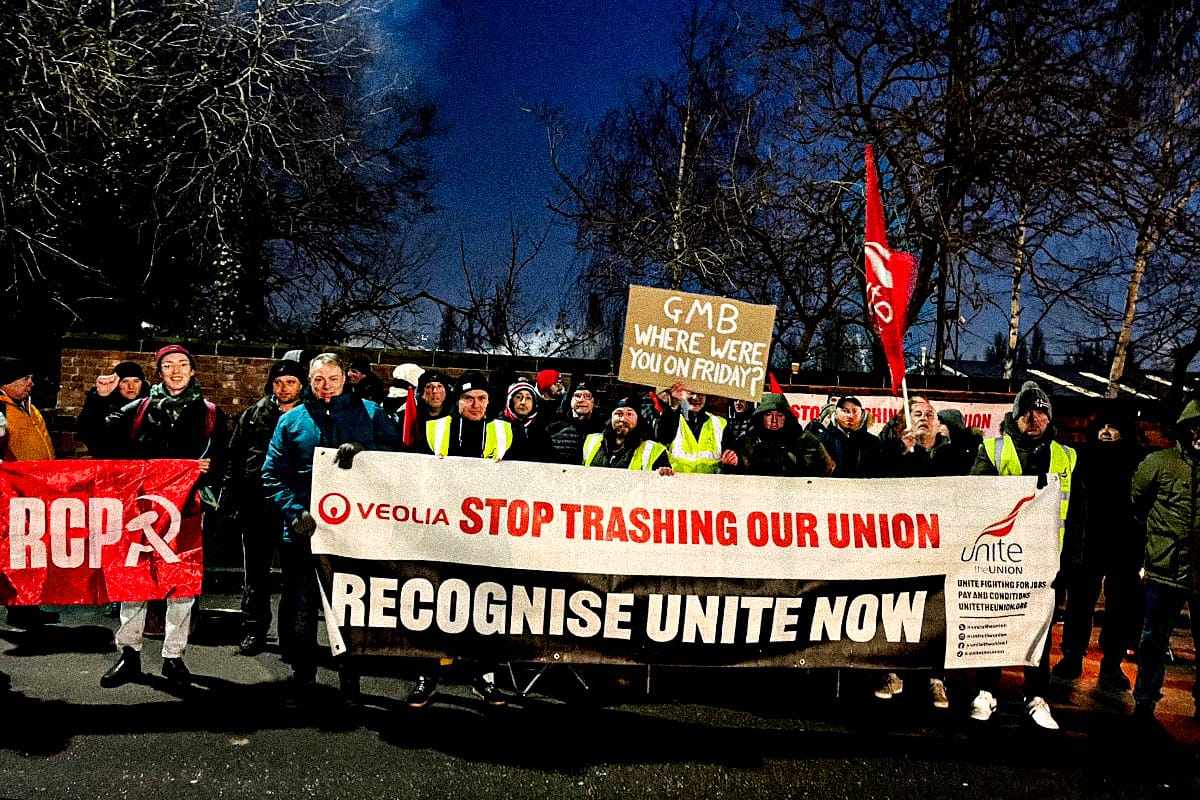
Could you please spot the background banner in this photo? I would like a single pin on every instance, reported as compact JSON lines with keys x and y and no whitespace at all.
{"x":94,"y":532}
{"x":531,"y":562}
{"x":882,"y":407}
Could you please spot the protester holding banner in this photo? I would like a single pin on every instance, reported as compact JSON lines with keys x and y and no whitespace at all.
{"x":174,"y":421}
{"x":776,"y":444}
{"x":1166,"y":496}
{"x":695,"y":437}
{"x":528,"y":423}
{"x":328,"y":417}
{"x":576,"y":422}
{"x":245,"y":504}
{"x":626,"y":443}
{"x":920,"y":450}
{"x":468,"y":434}
{"x":1027,"y":447}
{"x":854,"y":449}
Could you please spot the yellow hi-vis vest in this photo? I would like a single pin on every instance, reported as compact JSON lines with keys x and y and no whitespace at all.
{"x":1003,"y":455}
{"x":643,"y":457}
{"x":497,"y":437}
{"x":689,"y":454}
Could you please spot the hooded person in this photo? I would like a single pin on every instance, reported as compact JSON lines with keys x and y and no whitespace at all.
{"x":1166,"y":498}
{"x":1109,"y":557}
{"x":1026,"y":446}
{"x":521,"y":409}
{"x":777,"y":445}
{"x":173,"y":421}
{"x":244,"y":502}
{"x":626,"y":442}
{"x":578,"y":419}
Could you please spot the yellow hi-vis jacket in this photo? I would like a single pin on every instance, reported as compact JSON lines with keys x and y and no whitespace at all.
{"x":497,"y":437}
{"x":1003,"y":455}
{"x":689,"y":454}
{"x":643,"y":457}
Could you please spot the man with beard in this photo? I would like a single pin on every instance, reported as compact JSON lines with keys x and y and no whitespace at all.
{"x":1166,"y":496}
{"x":625,"y":443}
{"x":1109,"y":556}
{"x":776,"y":444}
{"x":1027,"y":447}
{"x":244,"y":501}
{"x":175,"y":421}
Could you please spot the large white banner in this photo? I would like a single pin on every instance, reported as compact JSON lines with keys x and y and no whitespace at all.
{"x":421,"y":556}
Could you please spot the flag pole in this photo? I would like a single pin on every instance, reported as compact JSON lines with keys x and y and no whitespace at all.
{"x":904,"y":408}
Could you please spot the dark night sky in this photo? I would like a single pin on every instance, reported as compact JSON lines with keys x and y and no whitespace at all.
{"x":486,"y":65}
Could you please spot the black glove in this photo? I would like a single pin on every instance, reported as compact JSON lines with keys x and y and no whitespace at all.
{"x":346,"y":453}
{"x":304,"y":525}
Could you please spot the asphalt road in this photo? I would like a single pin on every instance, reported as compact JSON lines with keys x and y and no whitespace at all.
{"x":697,"y":733}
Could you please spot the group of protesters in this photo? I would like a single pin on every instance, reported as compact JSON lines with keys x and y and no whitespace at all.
{"x":1121,"y":510}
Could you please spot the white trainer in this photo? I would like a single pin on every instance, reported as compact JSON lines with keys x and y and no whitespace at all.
{"x":983,"y":706}
{"x":1039,"y":711}
{"x":937,"y":693}
{"x":891,"y":686}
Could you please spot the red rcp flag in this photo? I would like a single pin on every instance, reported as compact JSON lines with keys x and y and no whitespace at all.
{"x":889,"y":279}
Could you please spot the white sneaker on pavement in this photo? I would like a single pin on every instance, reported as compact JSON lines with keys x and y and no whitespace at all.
{"x":1039,"y":711}
{"x":891,"y":686}
{"x":937,"y":693}
{"x":983,"y":706}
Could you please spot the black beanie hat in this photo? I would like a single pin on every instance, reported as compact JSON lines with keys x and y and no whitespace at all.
{"x":471,"y":381}
{"x":130,"y":369}
{"x":13,"y":369}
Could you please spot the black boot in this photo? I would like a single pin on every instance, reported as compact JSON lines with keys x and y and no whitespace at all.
{"x":127,"y":669}
{"x":423,"y":692}
{"x":176,"y":672}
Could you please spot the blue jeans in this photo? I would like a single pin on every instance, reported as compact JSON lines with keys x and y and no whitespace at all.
{"x":1163,"y":604}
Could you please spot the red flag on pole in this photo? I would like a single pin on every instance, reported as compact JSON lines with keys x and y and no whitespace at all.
{"x":775,"y":387}
{"x":889,"y":279}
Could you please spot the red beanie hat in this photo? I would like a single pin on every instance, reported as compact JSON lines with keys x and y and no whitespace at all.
{"x":545,"y":379}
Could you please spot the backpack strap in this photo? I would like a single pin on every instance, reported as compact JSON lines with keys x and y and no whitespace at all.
{"x":138,"y":417}
{"x":210,"y":418}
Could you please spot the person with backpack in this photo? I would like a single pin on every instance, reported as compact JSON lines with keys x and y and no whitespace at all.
{"x":174,"y":421}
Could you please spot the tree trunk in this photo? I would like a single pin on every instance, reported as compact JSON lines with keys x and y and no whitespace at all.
{"x":1014,"y":308}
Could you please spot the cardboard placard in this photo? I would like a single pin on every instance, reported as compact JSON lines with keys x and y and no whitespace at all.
{"x":714,"y":345}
